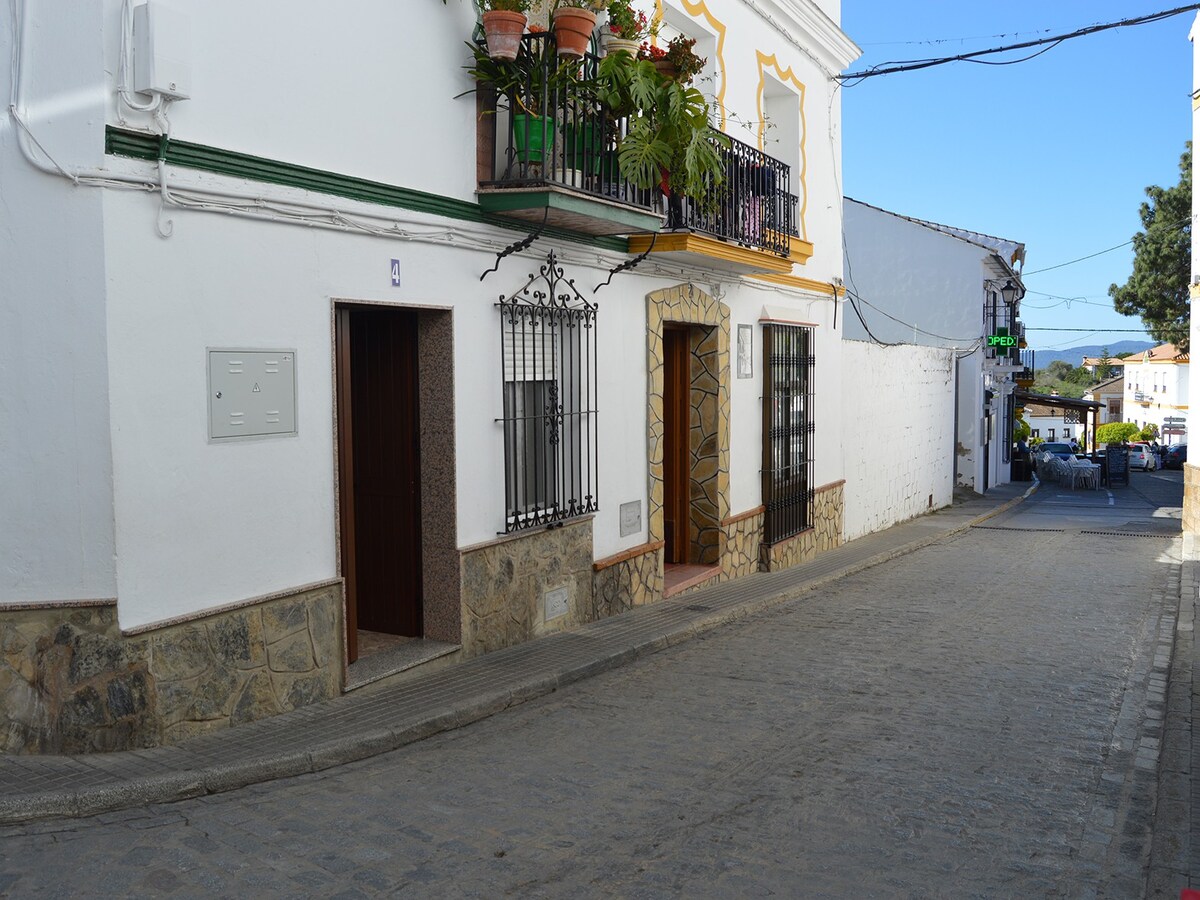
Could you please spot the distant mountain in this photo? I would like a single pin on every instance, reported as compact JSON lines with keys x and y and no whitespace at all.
{"x":1075,"y":355}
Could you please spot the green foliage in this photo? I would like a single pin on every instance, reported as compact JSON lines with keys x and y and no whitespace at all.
{"x":670,"y":143}
{"x":1020,"y":430}
{"x":1158,"y":288}
{"x":1061,"y":376}
{"x":1115,"y":432}
{"x":1149,"y":433}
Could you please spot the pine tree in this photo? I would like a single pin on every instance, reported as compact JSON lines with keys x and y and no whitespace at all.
{"x":1158,"y":288}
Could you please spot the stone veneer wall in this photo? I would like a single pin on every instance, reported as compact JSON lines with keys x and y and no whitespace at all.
{"x":743,"y":544}
{"x":826,"y":533}
{"x":630,"y":579}
{"x":1191,"y":497}
{"x":704,"y":446}
{"x":503,"y":583}
{"x":71,"y":682}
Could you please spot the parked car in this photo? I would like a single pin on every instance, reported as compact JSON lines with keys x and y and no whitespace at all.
{"x":1153,"y":452}
{"x":1142,"y":457}
{"x":1174,"y":456}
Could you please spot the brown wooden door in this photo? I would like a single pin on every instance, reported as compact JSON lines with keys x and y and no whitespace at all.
{"x":379,"y":453}
{"x":677,"y":470}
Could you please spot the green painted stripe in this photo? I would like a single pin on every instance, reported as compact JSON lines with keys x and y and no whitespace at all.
{"x":137,"y":145}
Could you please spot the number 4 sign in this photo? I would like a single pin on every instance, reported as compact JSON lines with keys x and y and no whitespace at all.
{"x":395,"y":273}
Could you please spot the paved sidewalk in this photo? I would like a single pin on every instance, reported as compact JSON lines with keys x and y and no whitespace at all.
{"x":380,"y":718}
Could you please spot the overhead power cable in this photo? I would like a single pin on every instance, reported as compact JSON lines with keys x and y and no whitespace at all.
{"x":889,"y":68}
{"x":1176,"y":225}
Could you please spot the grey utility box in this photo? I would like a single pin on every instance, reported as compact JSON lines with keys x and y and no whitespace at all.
{"x":251,"y":393}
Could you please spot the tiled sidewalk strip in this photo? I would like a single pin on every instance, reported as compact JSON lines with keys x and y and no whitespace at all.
{"x":374,"y":720}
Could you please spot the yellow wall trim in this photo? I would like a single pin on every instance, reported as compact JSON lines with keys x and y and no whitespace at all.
{"x":698,"y":9}
{"x":808,"y":284}
{"x":686,"y":242}
{"x":1194,"y":290}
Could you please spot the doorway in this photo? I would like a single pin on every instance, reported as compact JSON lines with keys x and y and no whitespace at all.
{"x":677,"y":382}
{"x":379,"y":477}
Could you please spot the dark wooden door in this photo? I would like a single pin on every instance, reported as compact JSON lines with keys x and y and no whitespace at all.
{"x":677,"y":385}
{"x":379,"y":449}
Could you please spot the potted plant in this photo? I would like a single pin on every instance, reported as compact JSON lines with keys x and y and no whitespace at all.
{"x":573,"y":22}
{"x":678,"y":60}
{"x":669,"y":144}
{"x":627,"y":28}
{"x":532,"y":85}
{"x":504,"y":22}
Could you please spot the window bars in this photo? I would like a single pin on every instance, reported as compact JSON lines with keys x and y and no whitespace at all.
{"x":788,"y":429}
{"x":548,"y":351}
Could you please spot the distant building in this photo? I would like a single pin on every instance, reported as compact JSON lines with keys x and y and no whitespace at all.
{"x":1156,"y":390}
{"x":1116,"y":364}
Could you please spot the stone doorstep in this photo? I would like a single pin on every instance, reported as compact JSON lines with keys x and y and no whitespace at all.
{"x":386,"y":663}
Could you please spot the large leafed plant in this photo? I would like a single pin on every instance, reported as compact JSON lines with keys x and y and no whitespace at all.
{"x":669,"y":143}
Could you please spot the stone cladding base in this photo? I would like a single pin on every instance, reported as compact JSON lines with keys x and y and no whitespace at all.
{"x":71,"y":682}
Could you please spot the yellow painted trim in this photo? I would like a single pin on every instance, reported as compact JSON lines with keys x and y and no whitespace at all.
{"x":698,"y":9}
{"x":1194,"y":290}
{"x":686,"y":242}
{"x":799,"y":250}
{"x":808,"y":284}
{"x":765,"y":62}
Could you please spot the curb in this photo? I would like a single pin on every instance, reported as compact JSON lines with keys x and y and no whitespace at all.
{"x":174,"y":786}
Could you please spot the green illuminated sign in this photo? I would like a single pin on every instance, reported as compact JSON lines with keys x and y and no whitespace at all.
{"x":1005,"y":343}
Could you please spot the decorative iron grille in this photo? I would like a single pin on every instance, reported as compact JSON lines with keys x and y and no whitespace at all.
{"x":548,"y":352}
{"x":752,"y":206}
{"x":788,"y":429}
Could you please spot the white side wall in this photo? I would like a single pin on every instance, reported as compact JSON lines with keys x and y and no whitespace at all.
{"x":56,"y":519}
{"x":922,"y":277}
{"x":898,"y":434}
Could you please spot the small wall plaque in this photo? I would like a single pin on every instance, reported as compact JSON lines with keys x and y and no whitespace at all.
{"x":745,"y":351}
{"x":631,"y":517}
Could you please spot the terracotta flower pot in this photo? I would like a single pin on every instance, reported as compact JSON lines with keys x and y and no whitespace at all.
{"x":666,"y":69}
{"x":573,"y":27}
{"x":503,"y":30}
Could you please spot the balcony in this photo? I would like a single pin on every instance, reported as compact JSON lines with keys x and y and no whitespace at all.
{"x":749,"y":224}
{"x":547,"y":153}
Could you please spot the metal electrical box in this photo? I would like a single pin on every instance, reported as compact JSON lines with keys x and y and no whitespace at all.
{"x":251,"y":393}
{"x":162,"y":51}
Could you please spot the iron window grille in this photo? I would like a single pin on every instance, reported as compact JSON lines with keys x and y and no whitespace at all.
{"x":788,"y":431}
{"x":548,"y":351}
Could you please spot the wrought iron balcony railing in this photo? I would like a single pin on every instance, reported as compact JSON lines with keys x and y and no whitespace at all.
{"x":548,"y":133}
{"x":541,"y":129}
{"x":753,"y":205}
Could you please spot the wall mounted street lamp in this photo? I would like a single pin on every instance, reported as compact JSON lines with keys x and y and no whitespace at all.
{"x":1008,"y":292}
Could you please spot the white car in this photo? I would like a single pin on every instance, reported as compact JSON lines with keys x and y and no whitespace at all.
{"x":1142,"y":457}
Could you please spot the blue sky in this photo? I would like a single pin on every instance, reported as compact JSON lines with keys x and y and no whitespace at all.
{"x":1055,"y":152}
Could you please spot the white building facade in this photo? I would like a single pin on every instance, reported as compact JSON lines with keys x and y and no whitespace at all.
{"x":281,"y":389}
{"x":1156,"y":391}
{"x":920,"y":284}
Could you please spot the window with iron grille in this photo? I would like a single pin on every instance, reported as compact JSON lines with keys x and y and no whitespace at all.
{"x":788,"y":429}
{"x":548,"y":345}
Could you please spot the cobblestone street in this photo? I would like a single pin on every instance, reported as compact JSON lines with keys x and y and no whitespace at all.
{"x":980,"y":718}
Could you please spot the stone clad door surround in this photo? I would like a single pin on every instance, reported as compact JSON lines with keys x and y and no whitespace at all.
{"x":706,"y":321}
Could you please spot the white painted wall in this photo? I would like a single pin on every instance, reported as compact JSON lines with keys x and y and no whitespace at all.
{"x":897,"y":434}
{"x":56,"y":524}
{"x":925,"y":278}
{"x":195,"y":524}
